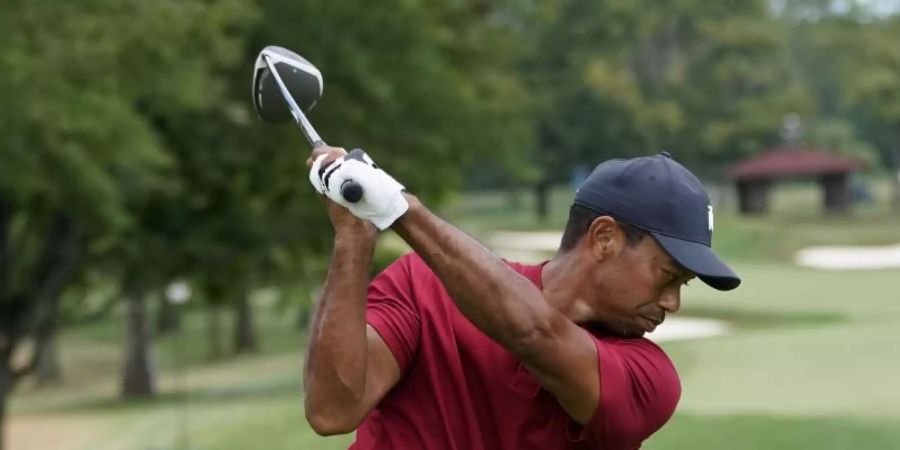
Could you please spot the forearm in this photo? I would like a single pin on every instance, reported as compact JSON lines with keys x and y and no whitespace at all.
{"x":335,"y":373}
{"x":495,"y":298}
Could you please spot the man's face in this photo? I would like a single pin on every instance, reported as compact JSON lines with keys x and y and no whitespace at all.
{"x":637,"y":285}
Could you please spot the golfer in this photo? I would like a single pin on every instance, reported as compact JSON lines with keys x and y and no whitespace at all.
{"x":453,"y":348}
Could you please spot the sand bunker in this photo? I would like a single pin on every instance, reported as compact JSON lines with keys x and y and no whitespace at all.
{"x":684,"y":328}
{"x":850,"y":258}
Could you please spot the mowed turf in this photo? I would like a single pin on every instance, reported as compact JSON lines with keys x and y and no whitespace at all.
{"x":812,"y":363}
{"x":828,"y":383}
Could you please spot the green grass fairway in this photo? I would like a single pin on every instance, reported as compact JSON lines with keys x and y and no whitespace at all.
{"x":818,"y":384}
{"x":746,"y":432}
{"x":812,"y":364}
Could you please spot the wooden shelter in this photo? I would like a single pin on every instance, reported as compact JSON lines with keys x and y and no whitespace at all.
{"x":755,"y":176}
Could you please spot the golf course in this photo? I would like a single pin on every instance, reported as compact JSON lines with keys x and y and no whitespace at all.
{"x":810,"y":361}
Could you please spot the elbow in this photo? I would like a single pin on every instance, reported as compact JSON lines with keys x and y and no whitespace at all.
{"x":524,"y":346}
{"x":326,"y":426}
{"x":528,"y":342}
{"x":326,"y":423}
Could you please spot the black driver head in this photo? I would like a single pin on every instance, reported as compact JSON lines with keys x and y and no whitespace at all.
{"x":302,"y":79}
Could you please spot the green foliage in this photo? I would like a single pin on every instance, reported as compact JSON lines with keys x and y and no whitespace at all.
{"x":133,"y":117}
{"x":709,"y":81}
{"x":705,"y":80}
{"x":840,"y":136}
{"x":849,"y":61}
{"x":70,"y":138}
{"x":738,"y":89}
{"x":86,"y":83}
{"x":874,"y":93}
{"x":85,"y":159}
{"x":423,"y":86}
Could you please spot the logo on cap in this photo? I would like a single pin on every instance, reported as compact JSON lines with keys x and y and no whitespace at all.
{"x":710,"y":217}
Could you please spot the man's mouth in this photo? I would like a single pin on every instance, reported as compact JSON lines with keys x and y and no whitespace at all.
{"x":652,"y":323}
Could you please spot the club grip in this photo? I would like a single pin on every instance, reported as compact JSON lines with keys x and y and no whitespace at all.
{"x":351,"y":191}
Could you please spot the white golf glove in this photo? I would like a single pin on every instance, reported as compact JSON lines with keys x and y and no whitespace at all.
{"x":382,"y":201}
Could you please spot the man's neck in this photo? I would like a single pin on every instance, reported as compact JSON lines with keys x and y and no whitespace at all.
{"x":563,"y":287}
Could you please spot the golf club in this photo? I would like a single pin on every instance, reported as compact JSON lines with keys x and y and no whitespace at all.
{"x":284,"y":85}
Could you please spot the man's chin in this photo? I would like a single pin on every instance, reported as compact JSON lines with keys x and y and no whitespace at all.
{"x":630,"y":332}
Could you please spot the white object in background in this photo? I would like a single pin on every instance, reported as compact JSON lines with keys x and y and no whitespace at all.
{"x":684,"y":328}
{"x":850,"y":258}
{"x":178,"y":293}
{"x":547,"y":241}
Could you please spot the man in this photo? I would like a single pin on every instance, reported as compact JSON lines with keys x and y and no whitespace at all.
{"x":452,"y":348}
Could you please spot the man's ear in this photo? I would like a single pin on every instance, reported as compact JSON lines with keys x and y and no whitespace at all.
{"x":605,"y":238}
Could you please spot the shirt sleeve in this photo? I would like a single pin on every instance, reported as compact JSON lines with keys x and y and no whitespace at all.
{"x":392,"y":311}
{"x":639,"y":390}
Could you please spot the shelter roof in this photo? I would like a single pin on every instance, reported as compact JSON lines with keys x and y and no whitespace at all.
{"x":785,"y":162}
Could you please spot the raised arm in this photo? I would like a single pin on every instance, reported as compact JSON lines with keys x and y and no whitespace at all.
{"x":509,"y":308}
{"x":499,"y":301}
{"x":349,"y":368}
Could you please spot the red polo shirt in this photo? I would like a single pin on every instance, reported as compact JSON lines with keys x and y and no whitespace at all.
{"x":460,"y":390}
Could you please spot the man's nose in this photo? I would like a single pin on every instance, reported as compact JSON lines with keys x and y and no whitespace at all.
{"x":671,"y":300}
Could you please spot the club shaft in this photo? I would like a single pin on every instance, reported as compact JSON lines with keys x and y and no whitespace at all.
{"x":311,"y":135}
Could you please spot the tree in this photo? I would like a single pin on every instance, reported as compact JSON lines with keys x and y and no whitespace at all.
{"x":739,"y":86}
{"x":61,"y":166}
{"x":413,"y":84}
{"x":80,"y":152}
{"x":847,"y":57}
{"x":703,"y":80}
{"x":874,"y":93}
{"x":423,"y":86}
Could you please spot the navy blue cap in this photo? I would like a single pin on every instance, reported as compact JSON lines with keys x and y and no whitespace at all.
{"x":662,"y":197}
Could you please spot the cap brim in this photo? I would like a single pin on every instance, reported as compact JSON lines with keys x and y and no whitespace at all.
{"x":701,"y":260}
